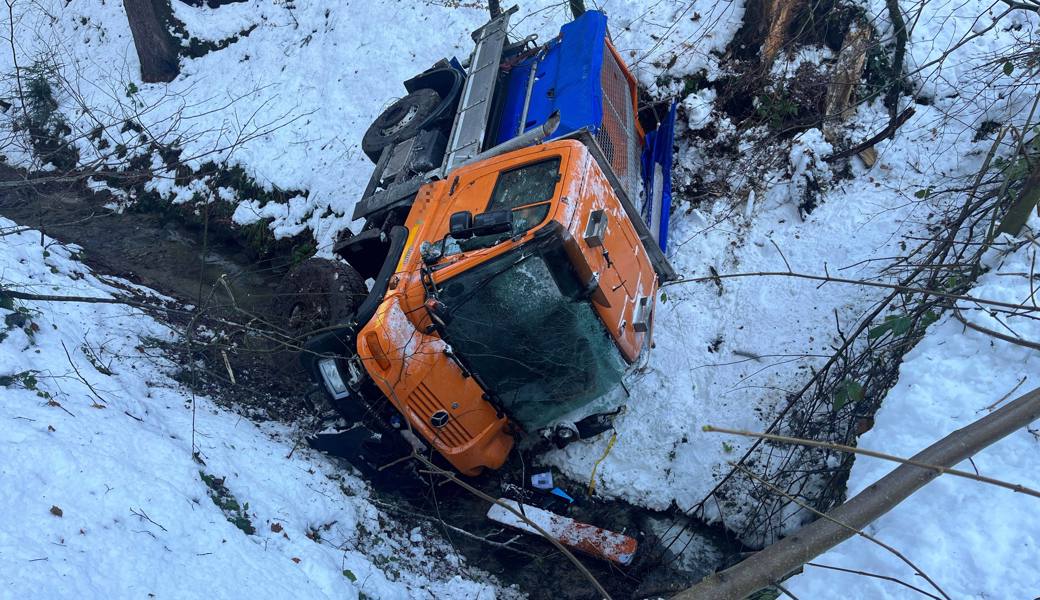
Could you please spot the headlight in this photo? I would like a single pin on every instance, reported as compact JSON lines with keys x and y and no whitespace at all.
{"x":330,"y":374}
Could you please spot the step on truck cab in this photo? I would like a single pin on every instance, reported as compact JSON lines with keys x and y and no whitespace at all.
{"x":515,"y":223}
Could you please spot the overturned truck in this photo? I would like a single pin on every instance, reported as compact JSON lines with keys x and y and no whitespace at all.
{"x":514,"y":233}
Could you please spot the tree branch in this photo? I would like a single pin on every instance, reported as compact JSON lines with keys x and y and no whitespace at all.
{"x":768,"y":566}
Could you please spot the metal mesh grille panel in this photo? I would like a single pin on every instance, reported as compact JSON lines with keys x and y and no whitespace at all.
{"x":617,"y":135}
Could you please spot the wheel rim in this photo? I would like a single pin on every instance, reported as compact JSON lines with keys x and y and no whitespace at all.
{"x":401,"y":123}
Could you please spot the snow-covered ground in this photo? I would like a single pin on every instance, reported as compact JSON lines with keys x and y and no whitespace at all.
{"x":291,"y":100}
{"x":972,"y":539}
{"x":101,"y":496}
{"x":305,"y":83}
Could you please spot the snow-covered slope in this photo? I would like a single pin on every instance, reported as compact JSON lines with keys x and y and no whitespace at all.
{"x":291,"y":100}
{"x":973,"y":540}
{"x":100,"y":494}
{"x":307,"y":80}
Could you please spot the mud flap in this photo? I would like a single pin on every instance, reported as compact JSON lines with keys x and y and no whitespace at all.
{"x":657,"y":178}
{"x":592,"y":540}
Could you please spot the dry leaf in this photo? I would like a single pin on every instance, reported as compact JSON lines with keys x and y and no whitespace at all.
{"x":51,"y":428}
{"x":56,"y":511}
{"x":296,"y":560}
{"x":276,"y":527}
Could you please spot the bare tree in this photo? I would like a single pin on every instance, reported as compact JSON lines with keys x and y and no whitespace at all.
{"x":156,"y":46}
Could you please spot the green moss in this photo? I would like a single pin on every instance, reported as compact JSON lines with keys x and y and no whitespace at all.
{"x":236,"y":514}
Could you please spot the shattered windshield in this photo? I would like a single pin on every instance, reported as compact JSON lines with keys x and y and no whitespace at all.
{"x":520,"y":323}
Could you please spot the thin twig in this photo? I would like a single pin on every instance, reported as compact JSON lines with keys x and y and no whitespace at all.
{"x":875,"y":575}
{"x":80,"y":375}
{"x":1015,"y":487}
{"x":830,"y":279}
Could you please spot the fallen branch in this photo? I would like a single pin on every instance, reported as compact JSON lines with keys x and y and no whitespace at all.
{"x":858,"y":532}
{"x":887,"y":132}
{"x":770,"y":565}
{"x":830,"y":279}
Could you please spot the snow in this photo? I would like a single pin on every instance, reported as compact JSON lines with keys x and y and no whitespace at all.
{"x":699,"y":106}
{"x":728,"y":355}
{"x":290,"y":102}
{"x":973,"y":540}
{"x":100,"y":439}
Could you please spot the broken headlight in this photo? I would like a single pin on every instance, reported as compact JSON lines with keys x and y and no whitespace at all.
{"x":330,"y":375}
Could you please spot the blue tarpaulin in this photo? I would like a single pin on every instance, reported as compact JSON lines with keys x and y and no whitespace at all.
{"x":657,"y":178}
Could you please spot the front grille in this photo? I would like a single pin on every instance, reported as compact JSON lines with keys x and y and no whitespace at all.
{"x":424,"y":403}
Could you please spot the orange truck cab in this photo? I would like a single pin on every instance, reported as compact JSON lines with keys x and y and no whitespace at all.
{"x":514,"y":278}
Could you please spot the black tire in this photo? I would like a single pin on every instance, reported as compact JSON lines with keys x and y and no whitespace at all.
{"x":318,"y":293}
{"x":402,"y":120}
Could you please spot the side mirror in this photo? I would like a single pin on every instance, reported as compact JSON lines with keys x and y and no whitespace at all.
{"x":464,"y":225}
{"x":459,"y":224}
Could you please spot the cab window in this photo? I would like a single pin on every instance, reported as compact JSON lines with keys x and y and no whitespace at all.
{"x":527,"y":191}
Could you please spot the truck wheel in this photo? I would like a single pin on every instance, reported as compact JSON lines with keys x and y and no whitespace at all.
{"x":318,"y":293}
{"x":401,"y":121}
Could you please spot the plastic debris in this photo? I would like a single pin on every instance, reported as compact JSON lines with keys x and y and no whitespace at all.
{"x":542,"y":481}
{"x":601,"y":543}
{"x":562,"y":494}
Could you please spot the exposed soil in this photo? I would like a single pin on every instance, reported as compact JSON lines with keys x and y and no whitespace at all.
{"x":144,"y":247}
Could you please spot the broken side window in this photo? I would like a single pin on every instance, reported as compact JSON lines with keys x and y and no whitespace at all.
{"x":526,"y":185}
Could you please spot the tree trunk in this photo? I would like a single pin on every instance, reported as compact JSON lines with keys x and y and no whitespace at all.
{"x":1028,"y":199}
{"x":845,"y":76}
{"x":156,"y":46}
{"x":495,"y":8}
{"x":769,"y":566}
{"x":577,"y":8}
{"x":780,"y":14}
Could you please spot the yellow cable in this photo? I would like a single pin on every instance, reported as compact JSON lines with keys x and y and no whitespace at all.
{"x":592,"y":478}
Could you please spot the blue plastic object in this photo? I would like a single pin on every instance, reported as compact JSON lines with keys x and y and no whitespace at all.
{"x":567,"y":79}
{"x":562,"y":494}
{"x":657,"y":151}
